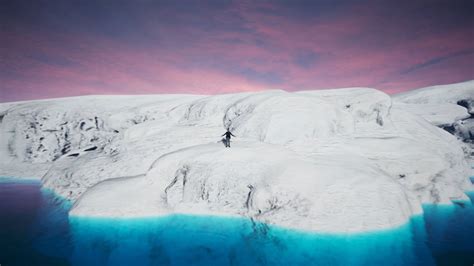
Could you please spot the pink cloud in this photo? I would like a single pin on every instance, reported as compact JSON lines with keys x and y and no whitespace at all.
{"x":258,"y":51}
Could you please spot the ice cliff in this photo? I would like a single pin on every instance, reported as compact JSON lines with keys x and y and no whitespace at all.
{"x":342,"y":160}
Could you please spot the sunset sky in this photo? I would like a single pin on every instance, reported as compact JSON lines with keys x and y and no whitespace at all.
{"x":62,"y":48}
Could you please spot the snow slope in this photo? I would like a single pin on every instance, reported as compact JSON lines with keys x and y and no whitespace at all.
{"x":340,"y":160}
{"x":448,"y":106}
{"x":441,"y":105}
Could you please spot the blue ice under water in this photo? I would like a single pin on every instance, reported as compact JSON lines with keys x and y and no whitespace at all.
{"x":35,"y":230}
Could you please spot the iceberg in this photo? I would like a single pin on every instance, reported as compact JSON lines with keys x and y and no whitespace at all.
{"x":341,"y":160}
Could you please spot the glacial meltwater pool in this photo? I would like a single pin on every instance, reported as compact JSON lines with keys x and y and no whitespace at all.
{"x":35,"y":230}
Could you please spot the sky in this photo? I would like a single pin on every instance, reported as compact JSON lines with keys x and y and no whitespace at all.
{"x":58,"y":48}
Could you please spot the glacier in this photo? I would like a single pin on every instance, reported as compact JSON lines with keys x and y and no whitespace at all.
{"x":339,"y":160}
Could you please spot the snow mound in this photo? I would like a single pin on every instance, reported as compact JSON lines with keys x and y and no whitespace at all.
{"x":260,"y":181}
{"x":343,"y":160}
{"x":448,"y":106}
{"x":451,"y":93}
{"x":441,"y":105}
{"x":287,"y":117}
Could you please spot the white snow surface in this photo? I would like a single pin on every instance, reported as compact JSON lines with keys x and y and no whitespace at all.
{"x":451,"y":93}
{"x":342,"y":160}
{"x":439,"y":104}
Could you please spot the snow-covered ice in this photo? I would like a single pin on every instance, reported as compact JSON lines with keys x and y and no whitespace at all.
{"x":441,"y":105}
{"x":449,"y":106}
{"x":342,"y":160}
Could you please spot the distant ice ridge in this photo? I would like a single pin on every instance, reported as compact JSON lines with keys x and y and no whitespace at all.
{"x":448,"y":106}
{"x":441,"y":105}
{"x":343,"y":160}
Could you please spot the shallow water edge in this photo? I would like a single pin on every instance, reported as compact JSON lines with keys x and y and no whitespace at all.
{"x":39,"y":231}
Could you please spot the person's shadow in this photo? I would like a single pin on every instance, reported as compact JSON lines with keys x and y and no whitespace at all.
{"x":224,"y":141}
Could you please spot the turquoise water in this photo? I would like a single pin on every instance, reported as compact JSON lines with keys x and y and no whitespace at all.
{"x":35,"y":230}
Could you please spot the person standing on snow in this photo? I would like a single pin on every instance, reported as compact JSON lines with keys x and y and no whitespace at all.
{"x":228,"y":135}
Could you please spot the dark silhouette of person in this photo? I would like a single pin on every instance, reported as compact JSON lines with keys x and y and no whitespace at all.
{"x":227,"y":135}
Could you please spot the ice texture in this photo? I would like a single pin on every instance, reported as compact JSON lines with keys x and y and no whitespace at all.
{"x":341,"y":160}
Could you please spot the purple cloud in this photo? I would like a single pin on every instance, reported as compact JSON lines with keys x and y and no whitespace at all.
{"x":59,"y":48}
